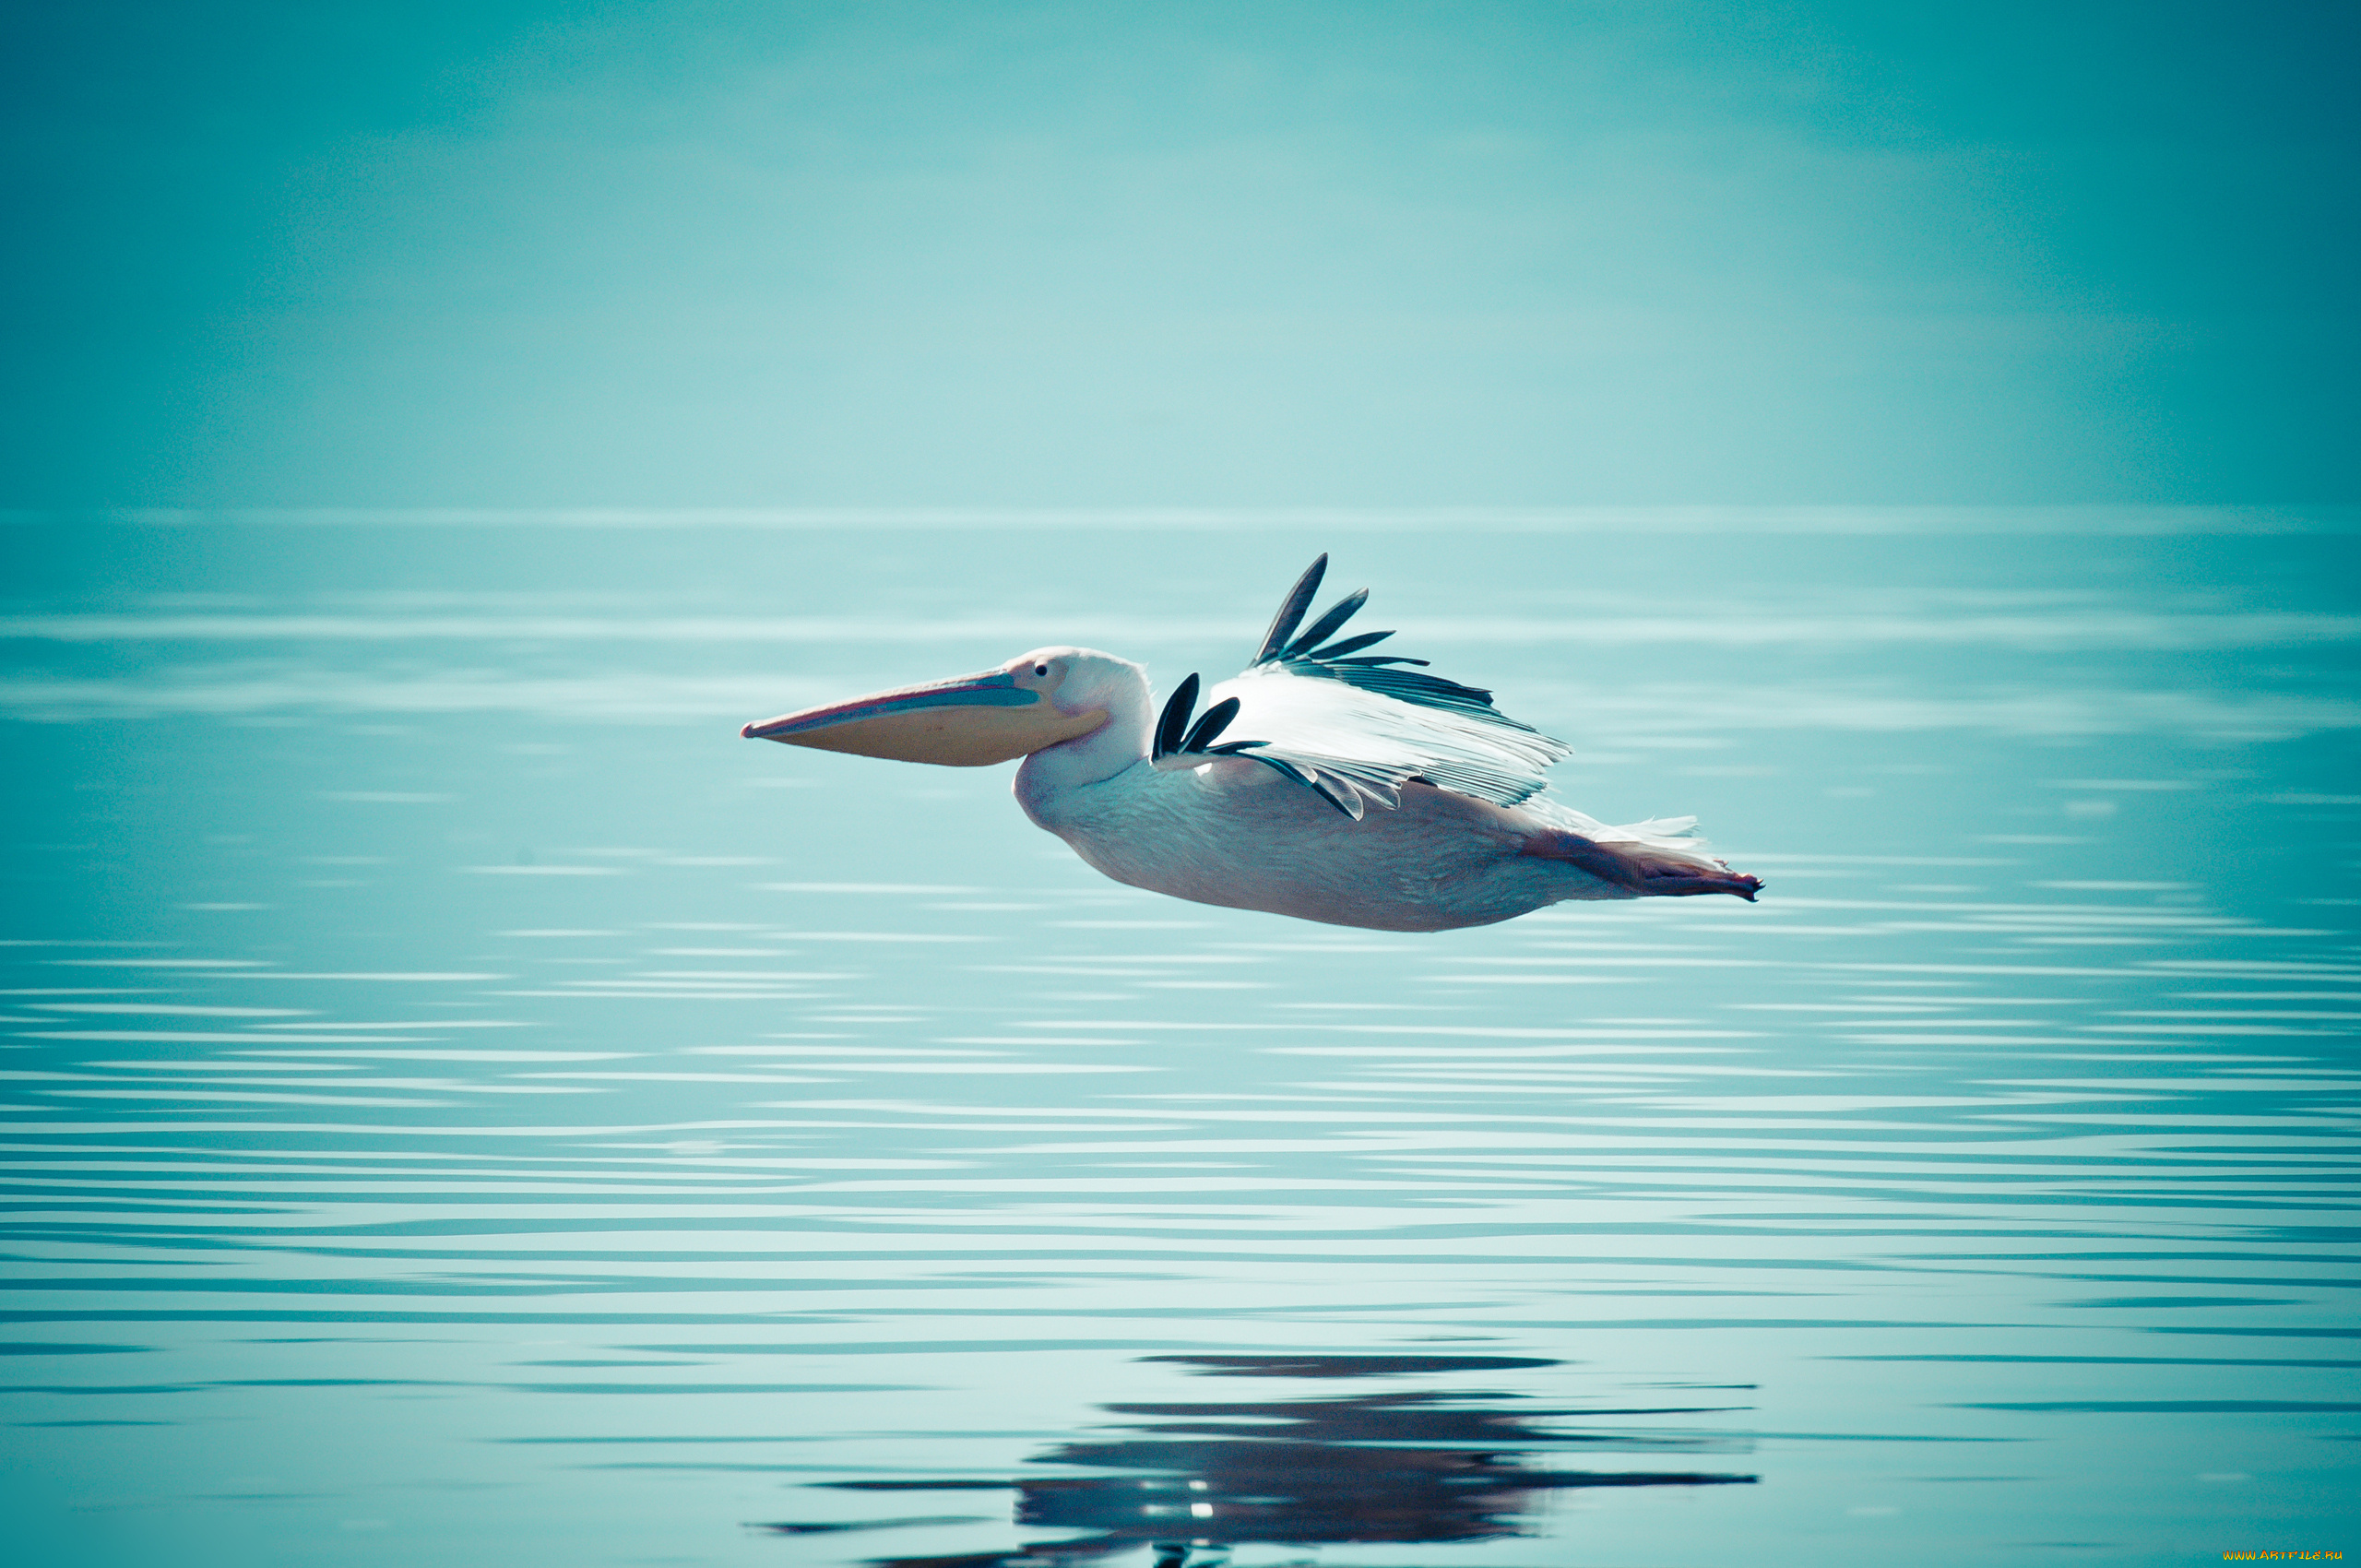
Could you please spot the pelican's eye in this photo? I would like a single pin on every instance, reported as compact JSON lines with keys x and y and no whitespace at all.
{"x":1040,"y":669}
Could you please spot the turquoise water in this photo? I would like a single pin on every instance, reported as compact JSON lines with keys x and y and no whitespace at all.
{"x":465,"y":1105}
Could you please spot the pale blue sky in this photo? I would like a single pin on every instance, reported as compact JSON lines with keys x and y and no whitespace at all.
{"x":1324,"y":253}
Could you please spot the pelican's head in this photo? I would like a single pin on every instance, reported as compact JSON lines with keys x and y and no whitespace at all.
{"x":1033,"y":701}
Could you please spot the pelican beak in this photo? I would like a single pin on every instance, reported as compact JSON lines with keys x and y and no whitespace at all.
{"x":968,"y":722}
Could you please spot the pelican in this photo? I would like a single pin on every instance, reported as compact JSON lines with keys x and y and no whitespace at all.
{"x":1322,"y":782}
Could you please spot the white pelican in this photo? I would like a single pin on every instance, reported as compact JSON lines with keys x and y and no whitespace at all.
{"x":1350,"y":790}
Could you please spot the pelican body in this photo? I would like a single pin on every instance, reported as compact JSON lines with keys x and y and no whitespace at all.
{"x":1322,"y":783}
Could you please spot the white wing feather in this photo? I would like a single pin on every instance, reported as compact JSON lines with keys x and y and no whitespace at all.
{"x":1370,"y":744}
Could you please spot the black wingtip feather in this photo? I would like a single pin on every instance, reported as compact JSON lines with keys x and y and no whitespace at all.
{"x":1327,"y":626}
{"x":1350,"y":645}
{"x":1291,"y":610}
{"x":1175,"y":720}
{"x":1216,"y":720}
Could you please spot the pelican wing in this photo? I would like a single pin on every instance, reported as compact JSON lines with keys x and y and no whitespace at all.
{"x":1355,"y":726}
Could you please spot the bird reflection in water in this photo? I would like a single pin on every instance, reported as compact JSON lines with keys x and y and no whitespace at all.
{"x":1401,"y":1466}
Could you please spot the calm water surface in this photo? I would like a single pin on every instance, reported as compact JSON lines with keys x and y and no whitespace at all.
{"x":466,"y":1106}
